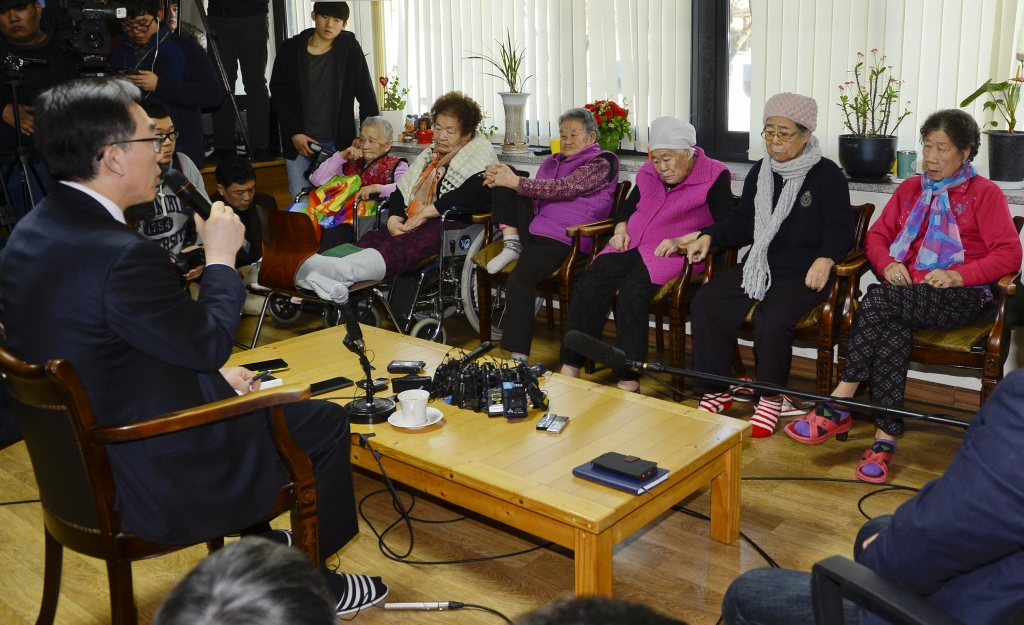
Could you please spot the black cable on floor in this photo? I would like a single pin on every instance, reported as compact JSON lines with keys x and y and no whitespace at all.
{"x":767,"y":558}
{"x":860,"y":502}
{"x":479,"y":607}
{"x":13,"y":503}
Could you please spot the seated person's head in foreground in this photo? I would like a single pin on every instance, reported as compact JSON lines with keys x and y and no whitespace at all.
{"x":236,"y":182}
{"x":252,"y":581}
{"x":161,"y":116}
{"x":595,"y":611}
{"x":376,"y":136}
{"x":577,"y":129}
{"x":455,"y":117}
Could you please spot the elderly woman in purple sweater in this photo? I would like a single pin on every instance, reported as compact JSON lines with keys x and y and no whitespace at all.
{"x":573,"y":187}
{"x":677,"y":190}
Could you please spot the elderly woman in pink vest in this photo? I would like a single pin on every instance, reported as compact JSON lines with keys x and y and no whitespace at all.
{"x":573,"y":187}
{"x":679,"y":190}
{"x":795,"y":207}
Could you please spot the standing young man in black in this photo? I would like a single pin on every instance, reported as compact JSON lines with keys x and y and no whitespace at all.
{"x":239,"y":26}
{"x":318,"y":76}
{"x":23,"y":37}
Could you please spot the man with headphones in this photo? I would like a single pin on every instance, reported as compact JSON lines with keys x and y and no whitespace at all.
{"x":170,"y":68}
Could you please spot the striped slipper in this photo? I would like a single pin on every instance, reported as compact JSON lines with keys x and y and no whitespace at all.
{"x":355,"y":592}
{"x":715,"y":402}
{"x":766,"y":417}
{"x":743,"y":394}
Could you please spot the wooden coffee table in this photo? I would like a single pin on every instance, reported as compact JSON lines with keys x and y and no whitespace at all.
{"x":514,"y":474}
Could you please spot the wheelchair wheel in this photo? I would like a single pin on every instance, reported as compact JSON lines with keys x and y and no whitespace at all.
{"x":425,"y":328}
{"x":469,"y":295}
{"x":282,"y":308}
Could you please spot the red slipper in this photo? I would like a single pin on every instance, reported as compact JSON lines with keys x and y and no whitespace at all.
{"x":743,"y":394}
{"x":879,"y":459}
{"x":815,"y":420}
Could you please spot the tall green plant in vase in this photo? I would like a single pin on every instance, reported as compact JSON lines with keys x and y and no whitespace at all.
{"x":510,"y":65}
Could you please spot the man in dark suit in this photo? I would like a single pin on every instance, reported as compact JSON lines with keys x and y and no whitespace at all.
{"x":79,"y":284}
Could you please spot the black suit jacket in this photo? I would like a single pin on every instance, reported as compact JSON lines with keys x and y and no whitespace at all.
{"x":77,"y":284}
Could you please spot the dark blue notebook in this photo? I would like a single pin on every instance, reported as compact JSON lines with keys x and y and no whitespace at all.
{"x":587,"y":471}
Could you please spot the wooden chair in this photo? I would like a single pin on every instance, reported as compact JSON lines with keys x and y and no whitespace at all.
{"x":558,"y":283}
{"x":981,"y":346}
{"x":76,"y":485}
{"x":289,"y":239}
{"x":821,"y":324}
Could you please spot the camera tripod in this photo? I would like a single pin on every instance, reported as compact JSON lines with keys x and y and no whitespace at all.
{"x":13,"y":73}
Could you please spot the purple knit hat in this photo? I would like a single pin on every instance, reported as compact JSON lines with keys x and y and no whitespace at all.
{"x":799,"y":108}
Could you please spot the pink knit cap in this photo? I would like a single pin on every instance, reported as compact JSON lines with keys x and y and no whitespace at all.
{"x":799,"y":108}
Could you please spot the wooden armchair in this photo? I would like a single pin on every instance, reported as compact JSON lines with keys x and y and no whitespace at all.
{"x":981,"y":346}
{"x":559,"y":283}
{"x":821,"y":324}
{"x":76,"y":485}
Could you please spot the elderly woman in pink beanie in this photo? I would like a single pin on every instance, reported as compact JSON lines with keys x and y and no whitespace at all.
{"x":795,"y":208}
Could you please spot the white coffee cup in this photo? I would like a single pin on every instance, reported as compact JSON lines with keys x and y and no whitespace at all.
{"x":414,"y":406}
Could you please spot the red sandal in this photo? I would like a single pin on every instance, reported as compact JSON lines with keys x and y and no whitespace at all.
{"x":880,"y":459}
{"x":817,"y":421}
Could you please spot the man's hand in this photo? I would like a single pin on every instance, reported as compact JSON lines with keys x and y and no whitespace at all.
{"x":352,"y":154}
{"x":145,"y":80}
{"x":395,"y":226}
{"x":368,"y":190}
{"x":944,"y":278}
{"x":28,"y":123}
{"x":238,"y":378}
{"x":222,"y":234}
{"x":301,"y":143}
{"x":194,"y":273}
{"x":818,"y":274}
{"x":499,"y":175}
{"x":698,"y":248}
{"x":668,"y":247}
{"x":868,"y":541}
{"x":244,"y":270}
{"x":897,"y":275}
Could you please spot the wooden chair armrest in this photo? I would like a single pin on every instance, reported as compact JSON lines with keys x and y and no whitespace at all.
{"x":595,"y":229}
{"x":852,"y":266}
{"x":200,"y":415}
{"x":481,"y":218}
{"x":1006,"y":285}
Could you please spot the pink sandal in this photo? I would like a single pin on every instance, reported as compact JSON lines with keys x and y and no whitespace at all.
{"x":880,"y":460}
{"x":817,"y":421}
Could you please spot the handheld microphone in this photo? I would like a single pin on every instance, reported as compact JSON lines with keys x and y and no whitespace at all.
{"x":418,"y":605}
{"x":476,"y":353}
{"x":187,"y":192}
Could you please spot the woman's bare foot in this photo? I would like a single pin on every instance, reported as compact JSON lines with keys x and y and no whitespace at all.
{"x":631,"y":386}
{"x":571,"y":372}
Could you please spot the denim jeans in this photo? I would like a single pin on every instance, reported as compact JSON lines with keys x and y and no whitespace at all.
{"x":297,"y":181}
{"x":782,"y":596}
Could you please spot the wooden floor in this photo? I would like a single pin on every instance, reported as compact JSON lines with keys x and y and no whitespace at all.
{"x":671,"y":565}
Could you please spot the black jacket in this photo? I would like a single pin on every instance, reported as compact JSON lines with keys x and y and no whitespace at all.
{"x":253,"y":222}
{"x":79,"y":285}
{"x":289,"y":84}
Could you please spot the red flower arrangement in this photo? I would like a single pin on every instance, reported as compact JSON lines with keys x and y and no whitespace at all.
{"x":612,"y":122}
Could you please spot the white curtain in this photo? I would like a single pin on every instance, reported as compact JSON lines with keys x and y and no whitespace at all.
{"x":942,"y":49}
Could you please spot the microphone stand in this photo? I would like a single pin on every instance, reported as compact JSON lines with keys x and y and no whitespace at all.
{"x":653,"y":367}
{"x":367,"y":410}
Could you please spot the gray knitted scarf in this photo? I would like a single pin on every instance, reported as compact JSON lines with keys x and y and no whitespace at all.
{"x":757,"y":275}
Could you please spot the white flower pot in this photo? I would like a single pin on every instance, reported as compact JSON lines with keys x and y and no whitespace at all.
{"x":515,"y":122}
{"x":397,"y":121}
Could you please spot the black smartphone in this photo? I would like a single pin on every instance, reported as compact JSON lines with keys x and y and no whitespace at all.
{"x":277,"y":364}
{"x":131,"y":72}
{"x":406,"y":366}
{"x":379,"y":384}
{"x":326,"y":386}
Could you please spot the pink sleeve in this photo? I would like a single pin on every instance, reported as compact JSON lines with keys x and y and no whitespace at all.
{"x":1001,"y":240}
{"x":327,"y":170}
{"x":883,"y":232}
{"x":400,"y":170}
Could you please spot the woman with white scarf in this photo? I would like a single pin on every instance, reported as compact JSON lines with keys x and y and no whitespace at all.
{"x":795,"y":207}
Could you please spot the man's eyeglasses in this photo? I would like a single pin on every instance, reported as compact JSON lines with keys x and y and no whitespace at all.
{"x":769,"y":135}
{"x":156,"y":142}
{"x":171,"y":136}
{"x":138,"y":27}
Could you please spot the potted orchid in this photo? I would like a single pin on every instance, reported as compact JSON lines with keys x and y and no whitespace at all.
{"x":870,"y":105}
{"x":393,"y":106}
{"x":1005,"y":147}
{"x":612,"y":123}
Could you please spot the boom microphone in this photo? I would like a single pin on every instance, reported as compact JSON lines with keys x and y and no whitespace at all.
{"x":187,"y":192}
{"x":614,"y":358}
{"x":355,"y":333}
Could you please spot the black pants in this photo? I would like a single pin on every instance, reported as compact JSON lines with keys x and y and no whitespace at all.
{"x":883,"y":336}
{"x":321,"y":429}
{"x":718,"y":311}
{"x":626,"y":274}
{"x":540,"y":257}
{"x":242,"y":41}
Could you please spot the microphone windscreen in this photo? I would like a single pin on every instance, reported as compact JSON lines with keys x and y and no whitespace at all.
{"x":185,"y":190}
{"x":596,"y":350}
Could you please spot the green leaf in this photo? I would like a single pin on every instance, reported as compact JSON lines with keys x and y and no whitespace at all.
{"x":977,"y":94}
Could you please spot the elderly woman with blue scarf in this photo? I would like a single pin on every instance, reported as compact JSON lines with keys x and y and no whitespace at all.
{"x":942,"y":238}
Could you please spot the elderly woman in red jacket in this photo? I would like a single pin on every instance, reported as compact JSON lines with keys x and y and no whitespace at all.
{"x":941,"y":240}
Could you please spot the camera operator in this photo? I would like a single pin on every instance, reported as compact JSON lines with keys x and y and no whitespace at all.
{"x":165,"y":220}
{"x":23,"y":38}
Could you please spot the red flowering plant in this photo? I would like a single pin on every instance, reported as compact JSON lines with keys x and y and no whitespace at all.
{"x":1005,"y":96}
{"x":612,"y":122}
{"x":868,"y":100}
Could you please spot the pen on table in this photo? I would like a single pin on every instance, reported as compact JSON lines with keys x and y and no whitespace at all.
{"x":259,"y":377}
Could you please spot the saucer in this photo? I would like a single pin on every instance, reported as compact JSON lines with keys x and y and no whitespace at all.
{"x":433,"y":416}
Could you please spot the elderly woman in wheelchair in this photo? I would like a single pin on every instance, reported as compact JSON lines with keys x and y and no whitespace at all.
{"x":572,"y":187}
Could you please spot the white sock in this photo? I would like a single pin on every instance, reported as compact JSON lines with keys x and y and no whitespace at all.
{"x":510,"y":253}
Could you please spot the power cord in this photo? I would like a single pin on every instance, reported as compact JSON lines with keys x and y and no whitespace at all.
{"x":14,"y":503}
{"x":405,"y":516}
{"x":436,"y":606}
